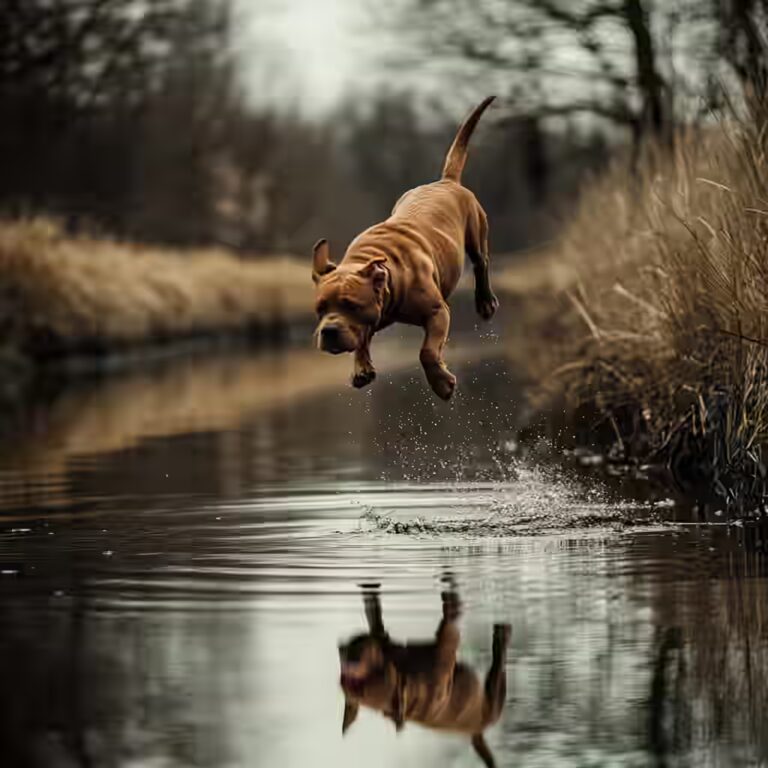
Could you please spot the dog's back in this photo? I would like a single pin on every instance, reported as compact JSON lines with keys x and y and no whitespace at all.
{"x":444,"y":212}
{"x":457,"y":704}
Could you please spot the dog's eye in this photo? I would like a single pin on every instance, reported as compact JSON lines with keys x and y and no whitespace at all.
{"x":321,"y":308}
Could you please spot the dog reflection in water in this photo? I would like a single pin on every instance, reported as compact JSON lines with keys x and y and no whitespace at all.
{"x":423,"y":682}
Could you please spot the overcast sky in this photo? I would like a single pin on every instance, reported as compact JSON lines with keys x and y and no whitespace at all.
{"x":306,"y":53}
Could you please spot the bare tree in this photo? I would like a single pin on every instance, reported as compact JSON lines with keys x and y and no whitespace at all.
{"x":744,"y":45}
{"x":128,"y":115}
{"x":610,"y":58}
{"x":82,"y":86}
{"x":84,"y":52}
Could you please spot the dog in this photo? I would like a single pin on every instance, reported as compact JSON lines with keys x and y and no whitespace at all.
{"x":405,"y":268}
{"x":423,"y":682}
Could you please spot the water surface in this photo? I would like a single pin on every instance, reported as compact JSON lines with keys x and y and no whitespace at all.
{"x":183,"y":549}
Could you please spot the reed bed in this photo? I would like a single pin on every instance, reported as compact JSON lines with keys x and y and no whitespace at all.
{"x":658,"y":318}
{"x":61,"y":294}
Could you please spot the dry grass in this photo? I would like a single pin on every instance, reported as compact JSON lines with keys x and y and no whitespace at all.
{"x":665,"y":278}
{"x":61,"y":294}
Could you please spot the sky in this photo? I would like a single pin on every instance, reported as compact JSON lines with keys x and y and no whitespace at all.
{"x":305,"y":54}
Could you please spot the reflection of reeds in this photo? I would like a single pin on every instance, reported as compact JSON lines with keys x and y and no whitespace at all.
{"x":64,"y":294}
{"x":188,"y":395}
{"x":729,"y":663}
{"x":664,"y":275}
{"x":715,"y":672}
{"x":204,"y":394}
{"x":215,"y":393}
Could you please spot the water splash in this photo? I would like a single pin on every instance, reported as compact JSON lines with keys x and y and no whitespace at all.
{"x":535,"y":502}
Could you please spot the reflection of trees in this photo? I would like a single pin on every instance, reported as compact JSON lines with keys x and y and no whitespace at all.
{"x":656,"y":653}
{"x":85,"y":688}
{"x":709,"y":683}
{"x":666,"y":686}
{"x":221,"y":425}
{"x":201,"y":403}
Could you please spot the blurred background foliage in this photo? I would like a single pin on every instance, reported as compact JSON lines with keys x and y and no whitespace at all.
{"x":134,"y":117}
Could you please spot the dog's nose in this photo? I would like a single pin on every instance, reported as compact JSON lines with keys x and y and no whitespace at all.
{"x":330,"y":334}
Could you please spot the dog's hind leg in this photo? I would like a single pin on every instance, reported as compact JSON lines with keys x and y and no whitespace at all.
{"x":496,"y":679}
{"x":495,"y":691}
{"x":486,"y":302}
{"x":483,"y":750}
{"x":447,"y":639}
{"x":442,"y":381}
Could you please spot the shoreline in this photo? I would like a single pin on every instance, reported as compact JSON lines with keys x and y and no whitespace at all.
{"x":645,"y":320}
{"x":65,"y":296}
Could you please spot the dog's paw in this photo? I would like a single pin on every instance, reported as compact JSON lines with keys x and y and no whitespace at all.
{"x":363,"y":378}
{"x":486,"y":306}
{"x":502,"y":634}
{"x":444,"y":386}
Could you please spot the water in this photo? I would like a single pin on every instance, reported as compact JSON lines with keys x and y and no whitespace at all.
{"x":182,"y":550}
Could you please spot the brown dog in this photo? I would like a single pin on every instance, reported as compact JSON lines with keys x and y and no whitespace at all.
{"x":404,"y":269}
{"x":423,"y":682}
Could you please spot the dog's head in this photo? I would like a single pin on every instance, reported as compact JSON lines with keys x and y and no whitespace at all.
{"x":367,"y":676}
{"x":348,"y":301}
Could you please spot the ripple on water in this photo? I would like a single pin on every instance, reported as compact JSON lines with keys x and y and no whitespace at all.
{"x":312,"y":540}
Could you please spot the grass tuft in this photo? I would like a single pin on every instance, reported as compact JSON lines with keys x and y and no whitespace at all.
{"x":661,"y":320}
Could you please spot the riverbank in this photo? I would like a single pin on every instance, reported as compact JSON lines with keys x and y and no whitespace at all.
{"x":649,"y":312}
{"x":64,"y":296}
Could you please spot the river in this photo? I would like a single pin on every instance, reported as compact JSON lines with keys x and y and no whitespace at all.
{"x":183,"y":548}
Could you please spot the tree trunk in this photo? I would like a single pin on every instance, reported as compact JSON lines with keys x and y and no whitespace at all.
{"x":653,"y":121}
{"x":746,"y":49}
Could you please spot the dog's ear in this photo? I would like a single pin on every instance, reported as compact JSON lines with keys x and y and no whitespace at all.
{"x":321,"y":262}
{"x":351,"y":709}
{"x":375,"y":270}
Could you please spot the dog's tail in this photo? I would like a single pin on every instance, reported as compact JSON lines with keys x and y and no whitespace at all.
{"x":457,"y":154}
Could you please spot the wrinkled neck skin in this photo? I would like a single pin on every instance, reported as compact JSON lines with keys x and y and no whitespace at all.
{"x":385,"y":318}
{"x":355,"y":260}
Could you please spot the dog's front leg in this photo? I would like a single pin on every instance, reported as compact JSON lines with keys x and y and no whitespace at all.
{"x":496,"y":679}
{"x":486,"y":302}
{"x":400,"y":703}
{"x":442,"y":381}
{"x":447,"y":639}
{"x":364,"y":371}
{"x":372,"y":605}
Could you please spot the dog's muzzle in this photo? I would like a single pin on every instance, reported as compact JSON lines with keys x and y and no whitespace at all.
{"x":353,"y":677}
{"x":335,"y":339}
{"x":330,"y":338}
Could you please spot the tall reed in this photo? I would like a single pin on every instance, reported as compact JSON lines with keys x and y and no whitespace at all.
{"x":666,"y":332}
